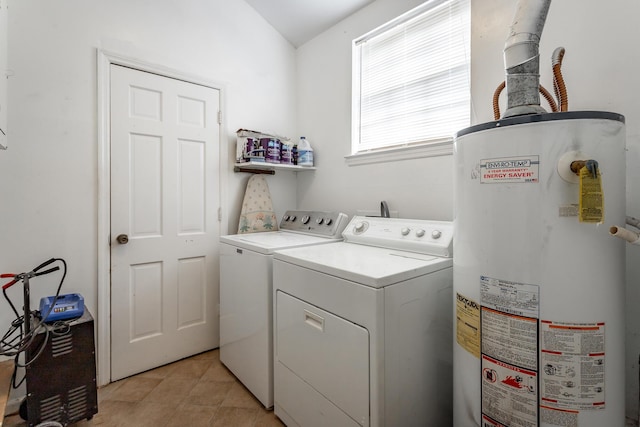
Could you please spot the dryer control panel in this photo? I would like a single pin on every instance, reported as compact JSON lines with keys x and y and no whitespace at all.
{"x":320,"y":223}
{"x":413,"y":235}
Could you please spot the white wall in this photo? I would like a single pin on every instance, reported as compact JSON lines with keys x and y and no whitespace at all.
{"x":49,"y":175}
{"x":4,"y":32}
{"x":418,"y":188}
{"x":599,"y":69}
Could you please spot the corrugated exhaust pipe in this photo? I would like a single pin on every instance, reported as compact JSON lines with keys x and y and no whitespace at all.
{"x":522,"y":60}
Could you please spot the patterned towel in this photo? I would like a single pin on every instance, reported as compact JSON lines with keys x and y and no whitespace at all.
{"x":257,"y":213}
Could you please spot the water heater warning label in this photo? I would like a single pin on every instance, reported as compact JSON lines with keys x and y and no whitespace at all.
{"x":468,"y":324}
{"x":509,"y":314}
{"x":572,"y":365}
{"x":509,"y":394}
{"x":509,"y":170}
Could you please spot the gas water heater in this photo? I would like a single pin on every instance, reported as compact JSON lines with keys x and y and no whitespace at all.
{"x":538,"y":281}
{"x":539,"y":338}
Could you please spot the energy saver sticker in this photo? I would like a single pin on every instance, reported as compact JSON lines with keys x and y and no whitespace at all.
{"x":509,"y":170}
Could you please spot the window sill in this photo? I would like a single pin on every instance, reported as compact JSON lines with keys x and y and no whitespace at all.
{"x":432,"y":149}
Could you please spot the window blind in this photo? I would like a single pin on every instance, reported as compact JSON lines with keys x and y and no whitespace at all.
{"x":411,"y":78}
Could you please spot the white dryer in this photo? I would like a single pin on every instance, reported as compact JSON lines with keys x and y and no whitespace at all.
{"x":363,"y":330}
{"x":246,"y":325}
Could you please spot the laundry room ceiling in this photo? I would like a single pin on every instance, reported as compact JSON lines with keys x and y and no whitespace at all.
{"x":301,"y":20}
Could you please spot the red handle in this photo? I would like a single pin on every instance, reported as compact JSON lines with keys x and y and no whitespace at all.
{"x":8,"y":285}
{"x":11,"y":283}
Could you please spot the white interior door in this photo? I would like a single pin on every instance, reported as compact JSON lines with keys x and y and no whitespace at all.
{"x":164,"y":199}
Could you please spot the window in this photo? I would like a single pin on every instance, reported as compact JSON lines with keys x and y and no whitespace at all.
{"x":411,"y":80}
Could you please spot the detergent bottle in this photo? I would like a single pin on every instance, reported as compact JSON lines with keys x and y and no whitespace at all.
{"x":305,"y":152}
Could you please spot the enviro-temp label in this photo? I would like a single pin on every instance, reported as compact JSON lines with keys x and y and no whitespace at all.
{"x":505,"y":170}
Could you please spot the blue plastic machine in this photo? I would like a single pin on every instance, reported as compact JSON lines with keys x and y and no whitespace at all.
{"x":67,"y":306}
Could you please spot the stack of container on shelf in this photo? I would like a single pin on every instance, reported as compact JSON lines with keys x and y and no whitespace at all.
{"x":249,"y":146}
{"x":260,"y":147}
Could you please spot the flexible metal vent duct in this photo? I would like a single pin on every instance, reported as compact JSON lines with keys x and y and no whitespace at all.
{"x":522,"y":60}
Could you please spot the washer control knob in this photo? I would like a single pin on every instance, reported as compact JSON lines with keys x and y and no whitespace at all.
{"x":293,"y":218}
{"x":305,"y":219}
{"x":286,"y":217}
{"x":436,"y":234}
{"x":328,"y":221}
{"x":319,"y":220}
{"x":405,"y":231}
{"x":420,"y":233}
{"x":360,"y":227}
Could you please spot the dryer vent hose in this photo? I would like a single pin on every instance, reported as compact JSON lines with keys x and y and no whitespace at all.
{"x":544,"y":92}
{"x":559,"y":88}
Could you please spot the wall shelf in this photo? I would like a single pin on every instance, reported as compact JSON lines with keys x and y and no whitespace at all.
{"x":268,"y":168}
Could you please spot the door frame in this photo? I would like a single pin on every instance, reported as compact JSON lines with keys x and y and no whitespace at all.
{"x":104,"y":61}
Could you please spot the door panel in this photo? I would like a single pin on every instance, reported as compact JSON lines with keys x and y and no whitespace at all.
{"x":191,"y":186}
{"x":145,"y":192}
{"x":145,"y":291}
{"x":192,"y":287}
{"x":165,"y":197}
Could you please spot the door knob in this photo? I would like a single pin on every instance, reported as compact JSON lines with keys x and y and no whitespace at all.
{"x":123,"y":239}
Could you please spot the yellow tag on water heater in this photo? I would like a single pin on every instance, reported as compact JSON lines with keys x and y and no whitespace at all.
{"x":591,"y":208}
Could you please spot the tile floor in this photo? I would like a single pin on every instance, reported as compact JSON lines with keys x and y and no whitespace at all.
{"x":194,"y":392}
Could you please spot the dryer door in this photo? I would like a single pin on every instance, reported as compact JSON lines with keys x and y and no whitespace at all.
{"x":327,"y":352}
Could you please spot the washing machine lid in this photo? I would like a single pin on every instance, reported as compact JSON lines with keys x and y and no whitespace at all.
{"x":371,"y":266}
{"x":268,"y":242}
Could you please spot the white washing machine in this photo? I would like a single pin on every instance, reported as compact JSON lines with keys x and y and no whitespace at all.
{"x":363,"y":330}
{"x":246,"y":325}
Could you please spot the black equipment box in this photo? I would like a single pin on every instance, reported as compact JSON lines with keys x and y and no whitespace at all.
{"x":61,"y":381}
